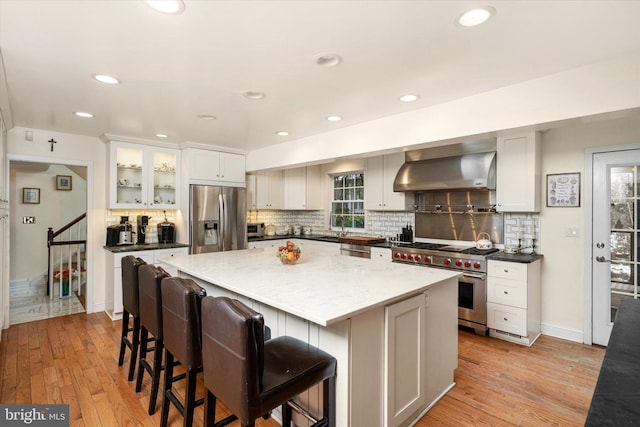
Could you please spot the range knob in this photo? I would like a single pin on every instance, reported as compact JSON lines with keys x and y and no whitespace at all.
{"x":446,"y":261}
{"x":476,"y":265}
{"x":467,"y":264}
{"x":396,"y":255}
{"x":403,"y":256}
{"x":410,"y":257}
{"x":427,"y":259}
{"x":416,"y":257}
{"x":458,"y":263}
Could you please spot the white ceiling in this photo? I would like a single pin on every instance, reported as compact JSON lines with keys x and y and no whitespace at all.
{"x":174,"y":68}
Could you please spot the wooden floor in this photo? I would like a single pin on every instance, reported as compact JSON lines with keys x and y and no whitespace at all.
{"x":73,"y":359}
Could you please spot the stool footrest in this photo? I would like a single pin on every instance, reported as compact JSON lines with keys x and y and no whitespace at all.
{"x":299,"y":409}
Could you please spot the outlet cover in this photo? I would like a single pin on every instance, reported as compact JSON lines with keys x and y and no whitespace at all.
{"x":28,"y":219}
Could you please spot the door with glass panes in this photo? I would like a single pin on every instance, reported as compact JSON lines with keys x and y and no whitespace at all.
{"x":616,"y":236}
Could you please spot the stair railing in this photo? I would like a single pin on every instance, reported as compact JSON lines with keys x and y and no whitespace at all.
{"x":69,"y":240}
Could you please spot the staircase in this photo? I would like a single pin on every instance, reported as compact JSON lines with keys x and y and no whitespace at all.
{"x":67,"y":262}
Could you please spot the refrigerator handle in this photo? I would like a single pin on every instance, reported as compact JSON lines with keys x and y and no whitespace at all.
{"x":223,"y":220}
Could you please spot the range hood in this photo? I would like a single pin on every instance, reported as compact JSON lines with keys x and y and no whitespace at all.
{"x":476,"y":171}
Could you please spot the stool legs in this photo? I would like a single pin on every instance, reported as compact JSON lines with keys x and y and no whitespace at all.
{"x":133,"y":344}
{"x":154,"y":371}
{"x":190,"y":392}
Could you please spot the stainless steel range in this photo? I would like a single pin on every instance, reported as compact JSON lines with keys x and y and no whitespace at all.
{"x":472,"y":286}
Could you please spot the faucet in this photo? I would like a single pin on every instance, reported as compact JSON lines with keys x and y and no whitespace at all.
{"x":342,"y":233}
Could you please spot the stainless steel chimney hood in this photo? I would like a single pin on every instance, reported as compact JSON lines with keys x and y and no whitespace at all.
{"x":476,"y":171}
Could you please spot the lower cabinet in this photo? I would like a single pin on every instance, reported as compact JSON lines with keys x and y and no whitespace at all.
{"x":381,"y":254}
{"x":113,"y":287}
{"x":513,"y":301}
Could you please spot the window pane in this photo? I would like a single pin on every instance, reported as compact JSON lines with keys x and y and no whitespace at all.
{"x":338,"y":194}
{"x":350,"y":181}
{"x":358,"y":221}
{"x":621,"y":273}
{"x":338,"y":181}
{"x":359,"y":180}
{"x":621,"y":246}
{"x":622,"y":214}
{"x":621,"y":182}
{"x":359,"y":194}
{"x":349,"y":194}
{"x":337,"y":208}
{"x":348,"y":221}
{"x":358,"y":208}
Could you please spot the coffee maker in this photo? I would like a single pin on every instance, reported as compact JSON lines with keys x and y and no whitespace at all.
{"x":143,"y":222}
{"x":125,"y":235}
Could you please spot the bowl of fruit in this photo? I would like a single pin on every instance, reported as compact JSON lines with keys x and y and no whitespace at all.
{"x":289,"y":254}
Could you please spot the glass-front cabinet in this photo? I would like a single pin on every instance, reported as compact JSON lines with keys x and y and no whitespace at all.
{"x":143,"y":177}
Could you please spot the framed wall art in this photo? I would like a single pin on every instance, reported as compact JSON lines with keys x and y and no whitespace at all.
{"x":563,"y":190}
{"x":31,"y":195}
{"x":63,"y":182}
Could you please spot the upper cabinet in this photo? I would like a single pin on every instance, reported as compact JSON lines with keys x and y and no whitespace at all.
{"x":269,"y":191}
{"x":143,"y":177}
{"x":518,"y":185}
{"x":379,"y":174}
{"x":215,"y":166}
{"x":302,"y":188}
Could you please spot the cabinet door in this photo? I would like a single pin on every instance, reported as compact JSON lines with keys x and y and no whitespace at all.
{"x":295,"y":186}
{"x":269,"y":190}
{"x":232,"y":167}
{"x":204,"y":165}
{"x":314,"y":189}
{"x":518,"y":174}
{"x":374,"y":183}
{"x":164,"y":192}
{"x":394,"y":200}
{"x":506,"y":318}
{"x":128,"y":180}
{"x":405,"y":351}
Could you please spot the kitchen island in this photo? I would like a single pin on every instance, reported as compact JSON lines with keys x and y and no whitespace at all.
{"x":392,"y":328}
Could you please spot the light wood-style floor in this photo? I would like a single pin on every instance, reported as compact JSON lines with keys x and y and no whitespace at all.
{"x":73,"y":359}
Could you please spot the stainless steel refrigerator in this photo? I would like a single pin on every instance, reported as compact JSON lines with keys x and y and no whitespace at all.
{"x":218,"y":219}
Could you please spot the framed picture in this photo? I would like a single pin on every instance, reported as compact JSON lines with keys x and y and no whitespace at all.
{"x":31,"y":195}
{"x":563,"y":190}
{"x":63,"y":182}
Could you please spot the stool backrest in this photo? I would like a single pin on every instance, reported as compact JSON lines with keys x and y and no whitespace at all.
{"x":181,"y":320}
{"x":233,"y":354}
{"x":149,"y":279}
{"x":130,"y":293}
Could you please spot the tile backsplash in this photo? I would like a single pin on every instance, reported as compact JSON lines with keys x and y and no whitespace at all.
{"x":523,"y":226}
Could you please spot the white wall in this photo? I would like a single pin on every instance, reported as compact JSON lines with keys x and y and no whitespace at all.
{"x":563,"y":151}
{"x":56,"y":208}
{"x":84,"y":151}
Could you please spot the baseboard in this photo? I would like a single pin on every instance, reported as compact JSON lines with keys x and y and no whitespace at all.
{"x":96,"y":308}
{"x":563,"y":333}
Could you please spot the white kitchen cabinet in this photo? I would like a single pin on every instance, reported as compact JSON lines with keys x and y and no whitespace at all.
{"x":269,"y":190}
{"x":302,"y":188}
{"x":143,"y":177}
{"x":317,"y":246}
{"x":518,"y":185}
{"x":215,"y":166}
{"x":379,"y":174}
{"x":381,"y":254}
{"x":513,"y":301}
{"x":113,"y":287}
{"x":267,"y":244}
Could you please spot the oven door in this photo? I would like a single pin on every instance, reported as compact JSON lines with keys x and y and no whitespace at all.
{"x":472,"y":301}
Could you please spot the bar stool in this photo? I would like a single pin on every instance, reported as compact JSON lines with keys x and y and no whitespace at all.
{"x":182,"y":343}
{"x":251,"y":376}
{"x":130,"y":308}
{"x":149,"y":279}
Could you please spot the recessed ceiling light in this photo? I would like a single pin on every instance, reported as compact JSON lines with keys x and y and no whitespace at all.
{"x":250,"y":94}
{"x":334,"y":118}
{"x":327,"y":59}
{"x":476,"y":16}
{"x":408,"y":97}
{"x":162,"y":135}
{"x":171,"y":7}
{"x":282,"y":133}
{"x":103,"y":78}
{"x":83,"y":114}
{"x":206,"y":117}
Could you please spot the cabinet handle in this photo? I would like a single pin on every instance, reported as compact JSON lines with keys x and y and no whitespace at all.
{"x":506,"y":293}
{"x":506,"y":271}
{"x":505,"y":319}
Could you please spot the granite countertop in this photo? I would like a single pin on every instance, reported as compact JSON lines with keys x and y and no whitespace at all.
{"x":145,"y":247}
{"x":521,"y":258}
{"x":321,"y":288}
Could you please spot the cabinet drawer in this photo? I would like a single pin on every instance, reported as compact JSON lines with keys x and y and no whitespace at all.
{"x":506,"y":318}
{"x":507,"y":270}
{"x":169,"y":253}
{"x":147,"y":256}
{"x":508,"y":292}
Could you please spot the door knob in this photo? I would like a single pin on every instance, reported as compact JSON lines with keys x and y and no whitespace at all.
{"x":599,"y":245}
{"x":601,"y":259}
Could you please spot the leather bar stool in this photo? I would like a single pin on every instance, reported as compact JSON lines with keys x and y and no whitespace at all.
{"x":130,"y":308}
{"x":251,"y":376}
{"x":182,"y":343}
{"x":149,"y":279}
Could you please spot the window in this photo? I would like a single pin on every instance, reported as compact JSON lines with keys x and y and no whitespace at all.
{"x":347,"y":207}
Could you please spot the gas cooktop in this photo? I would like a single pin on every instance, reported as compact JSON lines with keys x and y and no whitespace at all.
{"x":442,"y":256}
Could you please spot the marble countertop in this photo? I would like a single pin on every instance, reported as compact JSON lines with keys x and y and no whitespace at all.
{"x":320,"y":288}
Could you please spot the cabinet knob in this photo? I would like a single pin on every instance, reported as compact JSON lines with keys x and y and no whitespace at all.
{"x":506,"y":293}
{"x":506,"y":271}
{"x":505,"y":319}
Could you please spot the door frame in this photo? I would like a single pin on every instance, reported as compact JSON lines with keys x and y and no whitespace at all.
{"x":588,"y":233}
{"x":90,"y":220}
